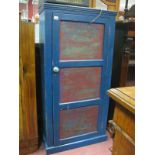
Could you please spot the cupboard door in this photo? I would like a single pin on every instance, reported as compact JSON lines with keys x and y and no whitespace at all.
{"x":78,"y":77}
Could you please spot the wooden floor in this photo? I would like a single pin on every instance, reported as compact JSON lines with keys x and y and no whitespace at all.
{"x":103,"y":148}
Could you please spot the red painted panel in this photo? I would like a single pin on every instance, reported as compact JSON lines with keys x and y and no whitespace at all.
{"x":30,"y":9}
{"x":79,"y":83}
{"x":78,"y":121}
{"x":81,"y":41}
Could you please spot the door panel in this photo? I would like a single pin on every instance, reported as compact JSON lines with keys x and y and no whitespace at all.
{"x":81,"y":41}
{"x":78,"y":121}
{"x":78,"y":83}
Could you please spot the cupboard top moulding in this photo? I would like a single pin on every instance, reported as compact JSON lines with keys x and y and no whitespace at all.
{"x":83,"y":3}
{"x":76,"y":10}
{"x":76,"y":62}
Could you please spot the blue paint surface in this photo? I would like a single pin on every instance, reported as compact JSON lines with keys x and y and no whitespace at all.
{"x":50,"y":53}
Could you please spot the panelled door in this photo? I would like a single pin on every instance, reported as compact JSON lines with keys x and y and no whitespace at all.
{"x":79,"y":53}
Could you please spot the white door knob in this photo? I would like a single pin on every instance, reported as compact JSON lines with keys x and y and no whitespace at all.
{"x":55,"y":69}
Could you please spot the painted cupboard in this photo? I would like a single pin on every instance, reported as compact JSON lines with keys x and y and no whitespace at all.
{"x":76,"y":61}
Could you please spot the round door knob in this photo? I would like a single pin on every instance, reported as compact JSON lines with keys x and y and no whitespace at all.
{"x":55,"y":69}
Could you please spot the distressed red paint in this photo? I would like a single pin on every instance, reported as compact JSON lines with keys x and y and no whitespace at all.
{"x":79,"y":83}
{"x":78,"y":121}
{"x":81,"y":41}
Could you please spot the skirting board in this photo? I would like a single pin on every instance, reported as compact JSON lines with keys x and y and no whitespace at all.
{"x":85,"y":142}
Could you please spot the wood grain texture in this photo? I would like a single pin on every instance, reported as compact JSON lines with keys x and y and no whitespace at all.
{"x":28,"y":128}
{"x":124,"y":96}
{"x":131,"y":33}
{"x":124,"y":118}
{"x":92,"y":3}
{"x":113,"y":5}
{"x":124,"y":69}
{"x":122,"y":146}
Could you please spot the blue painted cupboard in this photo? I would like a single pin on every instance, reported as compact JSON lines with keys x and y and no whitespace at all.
{"x":76,"y":61}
